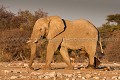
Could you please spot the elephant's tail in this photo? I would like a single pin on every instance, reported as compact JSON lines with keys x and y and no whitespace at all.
{"x":100,"y":44}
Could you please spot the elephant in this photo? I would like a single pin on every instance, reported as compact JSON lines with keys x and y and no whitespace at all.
{"x":65,"y":34}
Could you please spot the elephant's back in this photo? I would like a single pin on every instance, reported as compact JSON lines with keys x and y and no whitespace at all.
{"x":80,"y":29}
{"x":79,"y":33}
{"x":85,"y":25}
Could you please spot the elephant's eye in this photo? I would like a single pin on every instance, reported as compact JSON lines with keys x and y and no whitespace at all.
{"x":40,"y":29}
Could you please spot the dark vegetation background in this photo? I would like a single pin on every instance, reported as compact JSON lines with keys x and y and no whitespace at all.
{"x":15,"y":30}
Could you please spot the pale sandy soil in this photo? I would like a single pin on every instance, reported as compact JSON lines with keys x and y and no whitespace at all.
{"x":20,"y":71}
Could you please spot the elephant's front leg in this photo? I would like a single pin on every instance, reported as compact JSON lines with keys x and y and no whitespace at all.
{"x":51,"y":48}
{"x":33,"y":51}
{"x":64,"y":53}
{"x":49,"y":56}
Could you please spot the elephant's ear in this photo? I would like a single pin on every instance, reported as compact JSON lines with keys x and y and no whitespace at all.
{"x":56,"y":26}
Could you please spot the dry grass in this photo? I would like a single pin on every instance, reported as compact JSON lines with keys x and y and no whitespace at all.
{"x":13,"y":46}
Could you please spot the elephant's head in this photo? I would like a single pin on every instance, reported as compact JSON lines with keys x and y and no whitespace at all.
{"x":48,"y":27}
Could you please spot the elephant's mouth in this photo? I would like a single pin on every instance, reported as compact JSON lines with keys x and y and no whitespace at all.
{"x":42,"y":37}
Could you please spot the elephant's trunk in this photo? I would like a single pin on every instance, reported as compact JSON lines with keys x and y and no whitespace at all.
{"x":35,"y":36}
{"x":33,"y":44}
{"x":33,"y":52}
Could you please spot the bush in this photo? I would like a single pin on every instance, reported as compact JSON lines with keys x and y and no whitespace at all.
{"x":14,"y":45}
{"x":15,"y":30}
{"x":5,"y":18}
{"x":110,"y":40}
{"x":23,"y":19}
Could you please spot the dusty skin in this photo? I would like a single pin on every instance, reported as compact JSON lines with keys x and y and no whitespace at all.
{"x":20,"y":71}
{"x":66,"y":34}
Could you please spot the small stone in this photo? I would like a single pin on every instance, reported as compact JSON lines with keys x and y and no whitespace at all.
{"x":1,"y":77}
{"x":20,"y":64}
{"x":67,"y":75}
{"x":41,"y":76}
{"x":70,"y":75}
{"x":115,"y":77}
{"x":46,"y":77}
{"x":75,"y":68}
{"x":35,"y":73}
{"x":9,"y":64}
{"x":96,"y":78}
{"x":73,"y":75}
{"x":54,"y":78}
{"x":52,"y":74}
{"x":59,"y":75}
{"x":6,"y":71}
{"x":67,"y":78}
{"x":79,"y":76}
{"x":21,"y":76}
{"x":95,"y":73}
{"x":26,"y":65}
{"x":88,"y":76}
{"x":78,"y":72}
{"x":82,"y":68}
{"x":34,"y":77}
{"x":106,"y":69}
{"x":73,"y":79}
{"x":82,"y":65}
{"x":118,"y":77}
{"x":103,"y":79}
{"x":46,"y":74}
{"x":16,"y":71}
{"x":13,"y":77}
{"x":83,"y":77}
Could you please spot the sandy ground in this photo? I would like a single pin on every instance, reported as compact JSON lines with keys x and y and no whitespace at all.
{"x":20,"y":71}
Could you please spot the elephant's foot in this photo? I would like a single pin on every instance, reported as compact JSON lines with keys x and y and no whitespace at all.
{"x":35,"y":69}
{"x":69,"y":68}
{"x":97,"y":62}
{"x":90,"y":67}
{"x":31,"y":68}
{"x":47,"y":68}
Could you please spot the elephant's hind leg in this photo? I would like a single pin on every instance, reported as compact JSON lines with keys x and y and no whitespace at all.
{"x":91,"y":62}
{"x":64,"y":53}
{"x":91,"y":53}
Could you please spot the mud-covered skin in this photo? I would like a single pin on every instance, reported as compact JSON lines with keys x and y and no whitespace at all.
{"x":65,"y":34}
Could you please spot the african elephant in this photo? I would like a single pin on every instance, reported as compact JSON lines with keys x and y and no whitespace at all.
{"x":65,"y":34}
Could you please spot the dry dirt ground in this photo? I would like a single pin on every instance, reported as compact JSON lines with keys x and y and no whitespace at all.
{"x":19,"y":71}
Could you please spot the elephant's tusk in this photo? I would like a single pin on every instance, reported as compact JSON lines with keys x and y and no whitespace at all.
{"x":28,"y":41}
{"x":35,"y":41}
